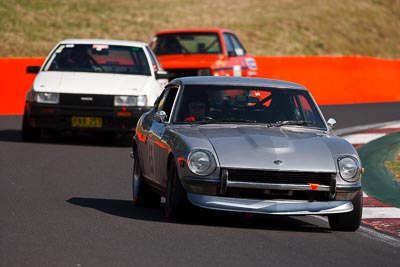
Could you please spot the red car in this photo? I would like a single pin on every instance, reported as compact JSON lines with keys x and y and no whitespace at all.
{"x":202,"y":52}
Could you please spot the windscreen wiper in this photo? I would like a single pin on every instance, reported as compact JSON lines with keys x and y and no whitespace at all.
{"x":293,"y":122}
{"x":209,"y":120}
{"x":236,"y":120}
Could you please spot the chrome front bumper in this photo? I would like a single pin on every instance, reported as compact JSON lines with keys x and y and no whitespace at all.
{"x":275,"y":207}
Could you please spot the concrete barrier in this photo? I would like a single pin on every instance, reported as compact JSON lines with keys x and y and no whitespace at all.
{"x":331,"y":80}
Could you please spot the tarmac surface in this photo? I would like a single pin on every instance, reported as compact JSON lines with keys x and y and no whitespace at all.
{"x":377,"y":144}
{"x":67,"y":202}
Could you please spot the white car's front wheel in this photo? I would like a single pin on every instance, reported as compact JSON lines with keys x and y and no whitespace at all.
{"x":29,"y":133}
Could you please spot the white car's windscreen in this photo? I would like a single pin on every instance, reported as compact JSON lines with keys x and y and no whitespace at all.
{"x":98,"y":58}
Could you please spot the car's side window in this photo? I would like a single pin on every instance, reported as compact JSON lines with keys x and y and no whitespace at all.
{"x":237,"y":46}
{"x":233,"y":45}
{"x":167,"y":100}
{"x":161,"y":101}
{"x":229,"y":45}
{"x":306,"y":110}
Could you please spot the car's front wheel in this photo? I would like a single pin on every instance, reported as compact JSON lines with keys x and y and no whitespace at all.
{"x":349,"y":221}
{"x":29,"y":133}
{"x":176,"y":203}
{"x":142,"y":195}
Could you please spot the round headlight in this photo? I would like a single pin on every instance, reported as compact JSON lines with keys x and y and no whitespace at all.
{"x":201,"y":163}
{"x":348,"y":168}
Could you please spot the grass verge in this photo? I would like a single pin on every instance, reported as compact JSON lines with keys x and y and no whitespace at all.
{"x":394,"y":167}
{"x":288,"y":27}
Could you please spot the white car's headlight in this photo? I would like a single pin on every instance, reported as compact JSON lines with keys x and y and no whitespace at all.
{"x":201,"y":162}
{"x":122,"y":100}
{"x":141,"y":100}
{"x":44,"y":97}
{"x":348,"y":168}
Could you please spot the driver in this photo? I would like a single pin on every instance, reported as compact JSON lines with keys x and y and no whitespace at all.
{"x":197,"y":110}
{"x":79,"y":58}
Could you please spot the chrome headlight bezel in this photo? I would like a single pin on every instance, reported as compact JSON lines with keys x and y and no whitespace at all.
{"x":129,"y":101}
{"x":45,"y":97}
{"x":201,"y":162}
{"x":349,"y":168}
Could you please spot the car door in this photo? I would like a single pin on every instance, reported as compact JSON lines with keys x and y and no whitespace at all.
{"x":158,"y":146}
{"x":146,"y":139}
{"x":142,"y":133}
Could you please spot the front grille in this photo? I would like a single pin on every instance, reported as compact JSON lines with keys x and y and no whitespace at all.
{"x":280,"y":177}
{"x":88,"y":100}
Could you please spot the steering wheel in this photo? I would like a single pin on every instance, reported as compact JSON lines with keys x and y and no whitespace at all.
{"x":206,"y":119}
{"x":95,"y":65}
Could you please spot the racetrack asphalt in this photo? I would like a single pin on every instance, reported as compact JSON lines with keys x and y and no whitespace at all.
{"x":66,"y":202}
{"x":376,"y":144}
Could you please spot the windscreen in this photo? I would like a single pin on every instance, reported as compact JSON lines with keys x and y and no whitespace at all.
{"x":99,"y":58}
{"x":238,"y":104}
{"x":186,"y":43}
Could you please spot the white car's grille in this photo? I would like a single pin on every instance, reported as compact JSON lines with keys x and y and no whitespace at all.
{"x":87,"y":100}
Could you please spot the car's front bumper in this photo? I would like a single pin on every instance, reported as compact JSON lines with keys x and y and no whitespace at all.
{"x":214,"y":187}
{"x":270,"y":198}
{"x":275,"y":207}
{"x":59,"y":117}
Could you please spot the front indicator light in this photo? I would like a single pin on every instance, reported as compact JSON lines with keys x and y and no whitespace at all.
{"x":47,"y":110}
{"x":314,"y":186}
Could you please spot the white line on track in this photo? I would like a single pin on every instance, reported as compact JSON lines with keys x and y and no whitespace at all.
{"x":363,"y":138}
{"x":381,"y":212}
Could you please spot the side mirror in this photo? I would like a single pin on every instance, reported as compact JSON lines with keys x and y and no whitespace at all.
{"x":33,"y":69}
{"x":162,"y":78}
{"x":161,"y":74}
{"x":331,"y":123}
{"x":160,"y":116}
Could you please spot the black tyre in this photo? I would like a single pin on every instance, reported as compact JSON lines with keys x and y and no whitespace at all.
{"x":142,"y":195}
{"x":349,"y":221}
{"x":177,"y":204}
{"x":29,"y":133}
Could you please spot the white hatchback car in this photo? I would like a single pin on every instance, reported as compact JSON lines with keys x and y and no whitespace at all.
{"x":92,"y":85}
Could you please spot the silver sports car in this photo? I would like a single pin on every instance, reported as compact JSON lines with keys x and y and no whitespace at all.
{"x":244,"y":145}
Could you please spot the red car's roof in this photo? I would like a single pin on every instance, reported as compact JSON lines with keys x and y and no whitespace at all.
{"x":219,"y":30}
